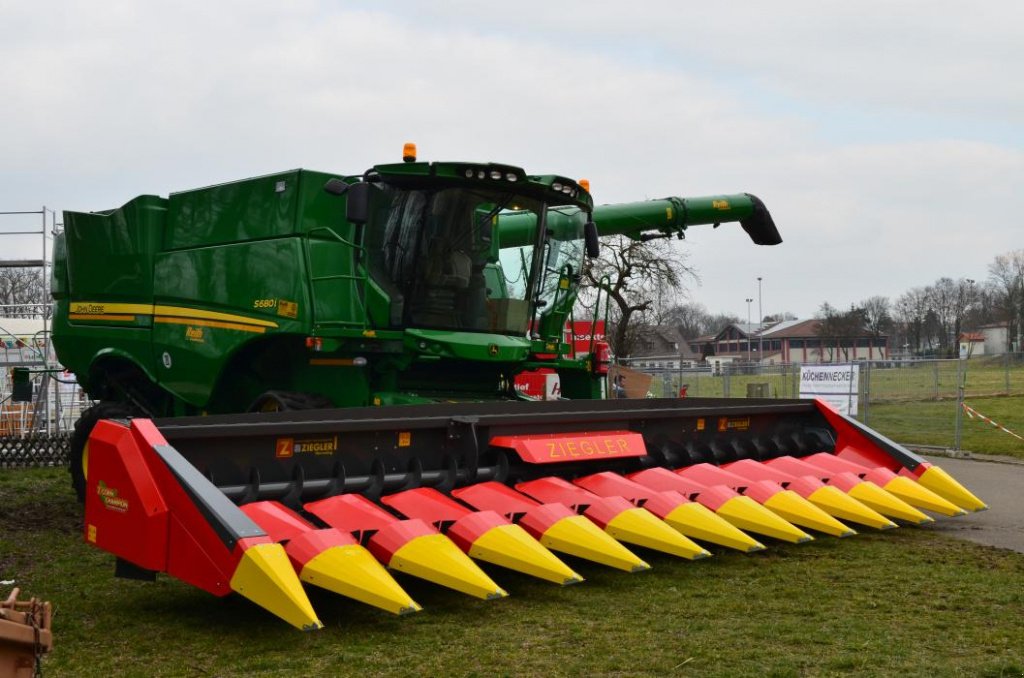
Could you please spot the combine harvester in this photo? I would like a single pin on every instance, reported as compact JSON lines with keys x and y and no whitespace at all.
{"x":310,"y":377}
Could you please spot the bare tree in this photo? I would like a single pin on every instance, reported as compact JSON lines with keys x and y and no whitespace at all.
{"x":1006,"y":277}
{"x":779,"y":317}
{"x":910,"y":310}
{"x":838,"y":329}
{"x":877,"y":316}
{"x":689,"y":319}
{"x":641,"y":280}
{"x":21,"y":291}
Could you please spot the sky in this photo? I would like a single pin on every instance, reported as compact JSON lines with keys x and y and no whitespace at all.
{"x":886,"y":138}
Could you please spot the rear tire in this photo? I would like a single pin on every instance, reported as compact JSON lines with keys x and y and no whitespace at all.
{"x":107,"y":409}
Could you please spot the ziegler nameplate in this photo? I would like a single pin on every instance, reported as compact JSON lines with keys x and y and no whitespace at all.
{"x":560,"y":447}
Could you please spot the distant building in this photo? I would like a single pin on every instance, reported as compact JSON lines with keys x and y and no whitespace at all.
{"x":997,"y":338}
{"x":789,"y":341}
{"x":664,"y":347}
{"x":971,"y":344}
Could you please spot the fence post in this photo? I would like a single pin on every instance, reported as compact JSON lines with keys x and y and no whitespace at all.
{"x":935,"y":377}
{"x":726,"y":369}
{"x":1006,"y":372}
{"x":961,"y":378}
{"x":867,"y":391}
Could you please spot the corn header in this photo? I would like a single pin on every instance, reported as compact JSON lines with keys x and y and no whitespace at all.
{"x":310,"y":377}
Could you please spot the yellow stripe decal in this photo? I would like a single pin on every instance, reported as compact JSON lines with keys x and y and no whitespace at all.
{"x":100,"y":308}
{"x":210,"y":315}
{"x":94,"y":310}
{"x":106,"y":316}
{"x":208,"y":323}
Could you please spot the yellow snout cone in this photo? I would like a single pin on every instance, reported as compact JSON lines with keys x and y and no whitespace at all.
{"x":699,"y":522}
{"x":512,"y":547}
{"x":747,"y":514}
{"x":642,"y":528}
{"x":437,"y":559}
{"x":874,"y":497}
{"x":944,"y":485}
{"x":351,"y":571}
{"x":797,"y":510}
{"x":833,"y":501}
{"x":265,"y":576}
{"x":921,"y":497}
{"x":577,"y":536}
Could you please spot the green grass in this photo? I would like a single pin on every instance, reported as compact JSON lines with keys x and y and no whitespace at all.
{"x":905,"y":602}
{"x":934,"y":423}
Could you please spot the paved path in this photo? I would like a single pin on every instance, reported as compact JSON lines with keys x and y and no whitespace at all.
{"x":998,"y":484}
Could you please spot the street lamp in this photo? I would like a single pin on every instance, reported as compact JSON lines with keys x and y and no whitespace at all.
{"x":760,"y":323}
{"x":748,"y":329}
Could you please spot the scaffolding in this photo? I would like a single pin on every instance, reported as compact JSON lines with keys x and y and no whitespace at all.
{"x":55,"y":400}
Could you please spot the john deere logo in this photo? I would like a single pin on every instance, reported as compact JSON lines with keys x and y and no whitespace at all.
{"x":492,"y":349}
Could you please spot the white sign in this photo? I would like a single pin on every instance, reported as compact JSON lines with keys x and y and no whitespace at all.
{"x":835,"y":384}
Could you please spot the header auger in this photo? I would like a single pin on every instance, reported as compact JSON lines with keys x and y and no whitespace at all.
{"x":309,"y":377}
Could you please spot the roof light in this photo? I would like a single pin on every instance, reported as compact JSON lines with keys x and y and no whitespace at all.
{"x":556,"y":187}
{"x":584,"y":184}
{"x":495,"y":174}
{"x":511,"y":176}
{"x":409,"y":152}
{"x":469,"y":174}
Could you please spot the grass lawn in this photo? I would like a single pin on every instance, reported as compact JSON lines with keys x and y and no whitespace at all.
{"x":934,"y":423}
{"x":904,"y":602}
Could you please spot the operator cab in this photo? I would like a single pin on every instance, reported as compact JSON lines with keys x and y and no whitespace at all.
{"x":472,"y":248}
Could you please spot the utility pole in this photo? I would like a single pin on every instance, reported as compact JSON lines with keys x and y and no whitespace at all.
{"x":748,"y":329}
{"x":760,"y":324}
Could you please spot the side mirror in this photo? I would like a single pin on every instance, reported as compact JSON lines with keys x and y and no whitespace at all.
{"x":357,"y":210}
{"x":336,"y":186}
{"x":591,"y":239}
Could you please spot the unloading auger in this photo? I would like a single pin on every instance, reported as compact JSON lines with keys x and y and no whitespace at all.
{"x":309,"y":378}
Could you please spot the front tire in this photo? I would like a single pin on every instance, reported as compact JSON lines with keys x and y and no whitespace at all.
{"x":80,"y":440}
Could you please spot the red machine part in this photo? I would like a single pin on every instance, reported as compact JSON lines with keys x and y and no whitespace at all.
{"x":411,"y":546}
{"x":331,"y":558}
{"x":554,"y":525}
{"x":485,"y":535}
{"x":147,"y":505}
{"x":616,"y":516}
{"x":688,"y":517}
{"x":558,"y":447}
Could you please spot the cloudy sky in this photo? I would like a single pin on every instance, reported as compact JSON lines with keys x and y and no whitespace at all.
{"x":887,"y":138}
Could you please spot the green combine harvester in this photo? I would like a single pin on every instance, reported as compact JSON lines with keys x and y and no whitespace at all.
{"x":310,"y":377}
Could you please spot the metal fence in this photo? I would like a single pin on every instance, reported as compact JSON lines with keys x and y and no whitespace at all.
{"x":882,"y":384}
{"x":36,"y":431}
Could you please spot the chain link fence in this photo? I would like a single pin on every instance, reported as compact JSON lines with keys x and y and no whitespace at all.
{"x":928,"y":390}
